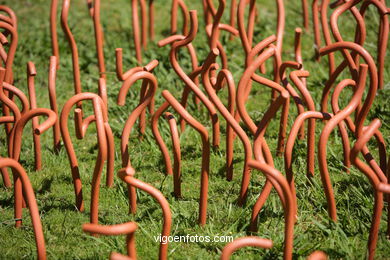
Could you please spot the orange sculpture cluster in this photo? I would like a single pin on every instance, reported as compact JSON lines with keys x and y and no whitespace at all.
{"x":205,"y":80}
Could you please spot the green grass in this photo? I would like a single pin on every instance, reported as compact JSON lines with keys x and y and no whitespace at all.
{"x":53,"y":184}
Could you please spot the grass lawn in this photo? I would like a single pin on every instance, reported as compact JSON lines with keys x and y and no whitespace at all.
{"x":53,"y":184}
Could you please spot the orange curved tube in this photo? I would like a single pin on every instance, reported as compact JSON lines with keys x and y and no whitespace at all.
{"x":98,"y":38}
{"x":373,"y":79}
{"x":311,"y":115}
{"x":127,"y":175}
{"x":242,"y":87}
{"x":16,"y":142}
{"x":72,"y":45}
{"x":159,"y":139}
{"x":135,"y":20}
{"x":375,"y":182}
{"x":8,"y":75}
{"x":231,"y":120}
{"x":176,"y":154}
{"x":31,"y":73}
{"x":289,"y":207}
{"x":315,"y":9}
{"x":53,"y":101}
{"x":230,"y":248}
{"x":175,"y":5}
{"x":205,"y":153}
{"x":173,"y":58}
{"x":20,"y":174}
{"x":105,"y":143}
{"x":317,"y":255}
{"x":340,"y":116}
{"x":53,"y":32}
{"x":305,"y":16}
{"x":151,"y":81}
{"x":383,"y":36}
{"x":295,"y":77}
{"x":127,"y":229}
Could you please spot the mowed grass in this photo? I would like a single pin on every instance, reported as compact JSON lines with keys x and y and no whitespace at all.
{"x":53,"y":186}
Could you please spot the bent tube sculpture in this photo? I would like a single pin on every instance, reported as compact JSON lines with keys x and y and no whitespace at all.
{"x":16,"y":143}
{"x":20,"y":174}
{"x":340,"y":116}
{"x":105,"y":144}
{"x":31,"y":73}
{"x":230,"y":248}
{"x":205,"y":153}
{"x":176,"y":154}
{"x":375,"y":181}
{"x":173,"y":58}
{"x":127,"y":175}
{"x":53,"y":102}
{"x":127,"y":229}
{"x":285,"y":194}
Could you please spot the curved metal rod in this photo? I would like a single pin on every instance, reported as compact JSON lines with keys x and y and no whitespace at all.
{"x":315,"y":10}
{"x":311,"y":115}
{"x":213,"y":30}
{"x":159,"y":139}
{"x":317,"y":255}
{"x":383,"y":36}
{"x":80,"y":124}
{"x":330,"y":125}
{"x":196,"y":70}
{"x":53,"y":102}
{"x":176,"y":154}
{"x":149,"y":68}
{"x":151,"y":81}
{"x":119,"y":66}
{"x":352,"y":128}
{"x":230,"y":248}
{"x":258,"y":148}
{"x":73,"y":47}
{"x":374,"y":180}
{"x":11,"y":119}
{"x":190,"y":83}
{"x":233,"y":123}
{"x":8,"y":103}
{"x":359,"y":34}
{"x":31,"y":73}
{"x":11,"y":14}
{"x":373,"y":79}
{"x":233,"y":11}
{"x":53,"y":32}
{"x":135,"y":21}
{"x":104,"y":143}
{"x":246,"y":35}
{"x":16,"y":143}
{"x":95,"y":11}
{"x":127,"y":175}
{"x":186,"y":17}
{"x":128,"y":229}
{"x":297,"y":77}
{"x":151,"y":19}
{"x":8,"y":76}
{"x":326,"y":33}
{"x":298,"y":50}
{"x":205,"y":153}
{"x":225,"y":75}
{"x":297,"y":100}
{"x":284,"y":95}
{"x":20,"y":174}
{"x":289,"y":207}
